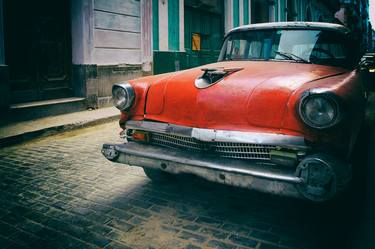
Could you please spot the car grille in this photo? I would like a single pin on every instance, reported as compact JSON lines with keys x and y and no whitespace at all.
{"x":223,"y":149}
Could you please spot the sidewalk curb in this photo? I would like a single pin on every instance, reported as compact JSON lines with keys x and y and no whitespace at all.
{"x":26,"y":136}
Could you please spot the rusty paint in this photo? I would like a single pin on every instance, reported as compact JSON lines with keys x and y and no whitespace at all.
{"x":261,"y":98}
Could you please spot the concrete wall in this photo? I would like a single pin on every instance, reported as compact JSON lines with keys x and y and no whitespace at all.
{"x":82,"y":31}
{"x":108,"y":46}
{"x":117,"y":32}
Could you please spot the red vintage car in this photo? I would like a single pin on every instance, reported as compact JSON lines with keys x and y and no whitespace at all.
{"x":279,"y":112}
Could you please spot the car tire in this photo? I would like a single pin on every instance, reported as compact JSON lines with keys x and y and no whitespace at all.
{"x":157,"y":175}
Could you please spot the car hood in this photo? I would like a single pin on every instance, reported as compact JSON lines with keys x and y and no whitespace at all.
{"x":256,"y":95}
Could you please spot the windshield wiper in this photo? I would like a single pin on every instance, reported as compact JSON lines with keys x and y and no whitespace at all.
{"x":292,"y":56}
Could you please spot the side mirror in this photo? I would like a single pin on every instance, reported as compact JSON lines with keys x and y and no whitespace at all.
{"x":367,"y":70}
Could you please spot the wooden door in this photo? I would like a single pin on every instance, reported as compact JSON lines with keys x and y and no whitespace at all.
{"x":37,"y":49}
{"x":209,"y":28}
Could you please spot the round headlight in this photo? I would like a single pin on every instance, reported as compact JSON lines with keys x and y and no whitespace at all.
{"x":123,"y":96}
{"x":319,"y":111}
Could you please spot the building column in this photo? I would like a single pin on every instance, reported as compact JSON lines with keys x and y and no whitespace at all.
{"x":182,"y":25}
{"x":240,"y":14}
{"x":250,"y":10}
{"x":272,"y":10}
{"x":82,"y":18}
{"x":228,"y":12}
{"x":168,"y":25}
{"x":246,"y":11}
{"x":281,"y":10}
{"x":236,"y":13}
{"x":146,"y":35}
{"x":173,"y":25}
{"x":163,"y":25}
{"x":155,"y":24}
{"x":84,"y":72}
{"x":302,"y":10}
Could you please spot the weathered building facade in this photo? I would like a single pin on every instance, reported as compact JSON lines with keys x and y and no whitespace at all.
{"x":209,"y":20}
{"x":109,"y":44}
{"x":177,"y":24}
{"x":54,"y":52}
{"x":75,"y":50}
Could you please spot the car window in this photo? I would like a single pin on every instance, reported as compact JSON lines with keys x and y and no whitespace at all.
{"x":315,"y":46}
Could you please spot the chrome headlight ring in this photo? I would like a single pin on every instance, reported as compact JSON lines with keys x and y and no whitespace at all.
{"x":123,"y":95}
{"x":320,"y":109}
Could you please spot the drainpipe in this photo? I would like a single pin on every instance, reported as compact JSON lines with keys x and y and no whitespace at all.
{"x":272,"y":9}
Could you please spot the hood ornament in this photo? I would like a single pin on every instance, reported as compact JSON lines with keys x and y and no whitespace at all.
{"x":212,"y":76}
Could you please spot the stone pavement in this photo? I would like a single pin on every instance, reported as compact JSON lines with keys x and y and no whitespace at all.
{"x":20,"y":131}
{"x":60,"y":192}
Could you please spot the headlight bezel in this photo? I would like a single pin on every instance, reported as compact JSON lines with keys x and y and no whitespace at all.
{"x":327,"y":96}
{"x":129,"y":95}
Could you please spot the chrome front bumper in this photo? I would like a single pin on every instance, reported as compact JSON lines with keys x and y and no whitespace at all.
{"x":240,"y":173}
{"x":317,"y":177}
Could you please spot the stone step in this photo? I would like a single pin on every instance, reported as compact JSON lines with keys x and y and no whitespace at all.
{"x":40,"y":109}
{"x":22,"y":131}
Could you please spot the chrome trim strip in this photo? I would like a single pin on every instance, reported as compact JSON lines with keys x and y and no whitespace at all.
{"x":211,"y":135}
{"x":159,"y":127}
{"x":188,"y":159}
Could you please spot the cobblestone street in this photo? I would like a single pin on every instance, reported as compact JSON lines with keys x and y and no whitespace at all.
{"x":60,"y":192}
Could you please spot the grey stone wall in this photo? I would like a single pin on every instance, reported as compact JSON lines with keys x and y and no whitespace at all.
{"x":117,"y":32}
{"x":94,"y":82}
{"x":106,"y":42}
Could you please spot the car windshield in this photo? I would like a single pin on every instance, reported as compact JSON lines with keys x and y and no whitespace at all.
{"x":305,"y":46}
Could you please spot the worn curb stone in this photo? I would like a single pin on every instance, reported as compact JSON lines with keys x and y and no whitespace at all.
{"x":6,"y":140}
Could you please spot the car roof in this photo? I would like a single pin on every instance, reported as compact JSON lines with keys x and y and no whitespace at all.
{"x":293,"y":25}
